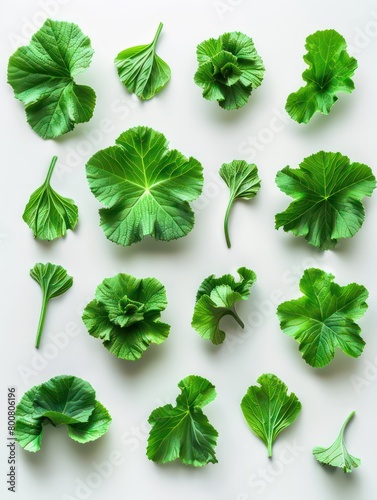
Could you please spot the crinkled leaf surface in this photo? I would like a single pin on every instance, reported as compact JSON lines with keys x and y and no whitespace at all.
{"x":42,"y":77}
{"x":243,"y":182}
{"x":48,"y":213}
{"x":28,"y":429}
{"x":268,"y":409}
{"x":183,"y":431}
{"x":62,"y":400}
{"x":324,"y":318}
{"x":337,"y":454}
{"x":146,"y":187}
{"x":216,"y":298}
{"x":229,"y":69}
{"x":125,"y":315}
{"x":329,"y":72}
{"x":141,"y":70}
{"x":54,"y":281}
{"x":97,"y":425}
{"x":328,"y":191}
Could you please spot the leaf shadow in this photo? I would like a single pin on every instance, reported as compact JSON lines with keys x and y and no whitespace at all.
{"x":149,"y":246}
{"x":225,"y":116}
{"x":341,"y":110}
{"x":154,"y":356}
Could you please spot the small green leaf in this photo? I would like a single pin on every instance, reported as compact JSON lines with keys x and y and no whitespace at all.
{"x":141,"y":70}
{"x":337,"y":454}
{"x":145,"y":186}
{"x":42,"y":77}
{"x":327,"y":191}
{"x":125,"y":315}
{"x":229,"y":69}
{"x":330,"y":71}
{"x":62,"y":400}
{"x":47,"y":213}
{"x":54,"y":281}
{"x":243,"y":182}
{"x":324,"y":318}
{"x":268,"y":409}
{"x":216,"y":298}
{"x":183,"y":432}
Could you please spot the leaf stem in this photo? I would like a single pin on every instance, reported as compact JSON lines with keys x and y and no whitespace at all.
{"x":51,"y":169}
{"x":226,"y":221}
{"x":157,"y":35}
{"x":234,"y":314}
{"x":269,"y":448}
{"x":42,"y":317}
{"x":346,"y":422}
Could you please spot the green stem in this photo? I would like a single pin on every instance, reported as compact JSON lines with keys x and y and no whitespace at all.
{"x":234,"y":314}
{"x":42,"y":317}
{"x":226,"y":222}
{"x":157,"y":35}
{"x":51,"y":169}
{"x":346,"y":422}
{"x":269,"y":448}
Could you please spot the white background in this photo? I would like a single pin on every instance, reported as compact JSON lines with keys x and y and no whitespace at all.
{"x":202,"y":129}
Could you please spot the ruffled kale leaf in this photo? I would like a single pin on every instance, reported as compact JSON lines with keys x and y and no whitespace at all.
{"x":42,"y":77}
{"x":216,"y":298}
{"x":328,"y":190}
{"x":62,"y":400}
{"x":145,"y":186}
{"x":229,"y":69}
{"x":324,"y":318}
{"x":330,"y":71}
{"x":183,"y":431}
{"x":125,"y":315}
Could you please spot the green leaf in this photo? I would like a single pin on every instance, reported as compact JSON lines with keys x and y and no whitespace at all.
{"x":62,"y":400}
{"x":244,"y":183}
{"x":337,"y":454}
{"x":125,"y":315}
{"x":329,"y":72}
{"x":324,"y":318}
{"x":328,"y":191}
{"x":42,"y":77}
{"x":216,"y":298}
{"x":146,"y":187}
{"x":141,"y":70}
{"x":183,"y":432}
{"x":268,"y":409}
{"x":28,"y":429}
{"x":47,"y":213}
{"x":54,"y":281}
{"x":229,"y":69}
{"x":97,"y":425}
